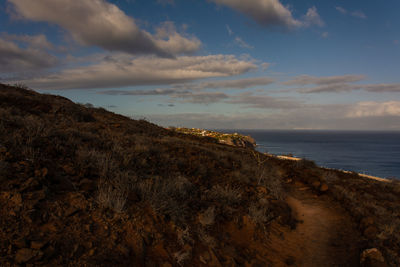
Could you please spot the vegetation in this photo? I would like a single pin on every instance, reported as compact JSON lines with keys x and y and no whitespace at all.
{"x":83,"y":186}
{"x":94,"y":187}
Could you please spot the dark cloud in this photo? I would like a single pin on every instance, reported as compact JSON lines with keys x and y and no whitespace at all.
{"x":123,"y":71}
{"x":103,"y":24}
{"x":250,"y":100}
{"x":14,"y":59}
{"x":383,"y":87}
{"x":200,"y":98}
{"x":306,"y":79}
{"x":272,"y":13}
{"x":227,"y":84}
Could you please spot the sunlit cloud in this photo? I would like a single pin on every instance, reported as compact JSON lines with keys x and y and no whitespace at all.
{"x":120,"y":70}
{"x":102,"y":24}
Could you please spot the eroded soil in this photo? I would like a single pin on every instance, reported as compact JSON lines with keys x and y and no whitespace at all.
{"x":324,"y":235}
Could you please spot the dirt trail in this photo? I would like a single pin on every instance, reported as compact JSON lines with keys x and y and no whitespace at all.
{"x":324,"y":236}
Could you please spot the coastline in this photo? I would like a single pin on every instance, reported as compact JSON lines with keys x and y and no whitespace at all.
{"x":344,"y":171}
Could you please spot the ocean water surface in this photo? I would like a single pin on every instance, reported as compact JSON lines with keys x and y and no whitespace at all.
{"x":373,"y":153}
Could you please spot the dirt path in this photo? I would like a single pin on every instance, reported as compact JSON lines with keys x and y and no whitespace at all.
{"x":324,"y":236}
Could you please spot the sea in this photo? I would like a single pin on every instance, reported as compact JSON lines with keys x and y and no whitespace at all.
{"x":372,"y":153}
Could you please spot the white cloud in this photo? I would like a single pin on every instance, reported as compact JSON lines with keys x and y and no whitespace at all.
{"x":359,"y":14}
{"x":341,"y":10}
{"x":123,"y":71}
{"x":374,"y":109}
{"x":14,"y":59}
{"x":242,"y":43}
{"x":312,"y":18}
{"x":230,"y":32}
{"x":173,"y":42}
{"x":272,"y":13}
{"x":325,"y":34}
{"x":102,"y":24}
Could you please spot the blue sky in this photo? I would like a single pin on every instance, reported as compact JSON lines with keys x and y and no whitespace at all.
{"x":266,"y":64}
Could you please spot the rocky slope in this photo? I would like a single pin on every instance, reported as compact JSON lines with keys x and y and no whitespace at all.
{"x":85,"y":187}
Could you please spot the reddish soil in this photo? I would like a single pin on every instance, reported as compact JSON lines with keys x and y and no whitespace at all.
{"x":325,"y":234}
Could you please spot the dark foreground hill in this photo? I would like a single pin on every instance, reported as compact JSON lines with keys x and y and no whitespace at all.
{"x":85,"y":187}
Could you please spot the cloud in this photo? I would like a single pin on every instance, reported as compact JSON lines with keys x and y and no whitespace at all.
{"x":383,"y":87}
{"x":173,"y":42}
{"x":15,"y":59}
{"x":242,"y":43}
{"x":341,"y":10}
{"x":305,"y":117}
{"x":345,"y":87}
{"x":337,"y":84}
{"x":374,"y":109}
{"x":227,"y":84}
{"x":102,"y":24}
{"x":359,"y":14}
{"x":325,"y":34}
{"x":35,"y":41}
{"x":122,"y":71}
{"x":230,"y":32}
{"x":271,"y":13}
{"x":187,"y":89}
{"x":312,"y":18}
{"x":330,"y":88}
{"x":306,"y":79}
{"x":201,"y":98}
{"x":152,"y":92}
{"x":249,"y":100}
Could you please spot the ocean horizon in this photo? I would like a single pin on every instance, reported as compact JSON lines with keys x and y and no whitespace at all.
{"x":374,"y":153}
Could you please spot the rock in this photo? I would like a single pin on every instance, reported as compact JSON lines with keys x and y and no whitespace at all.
{"x":323,"y":188}
{"x":370,"y":232}
{"x":25,"y":254}
{"x":372,"y":258}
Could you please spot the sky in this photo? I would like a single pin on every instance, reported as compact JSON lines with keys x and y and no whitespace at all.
{"x":215,"y":64}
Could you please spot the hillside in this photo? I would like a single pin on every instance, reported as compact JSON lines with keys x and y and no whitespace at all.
{"x":86,"y":187}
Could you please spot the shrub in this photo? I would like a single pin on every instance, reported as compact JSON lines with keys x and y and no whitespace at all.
{"x":225,"y":195}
